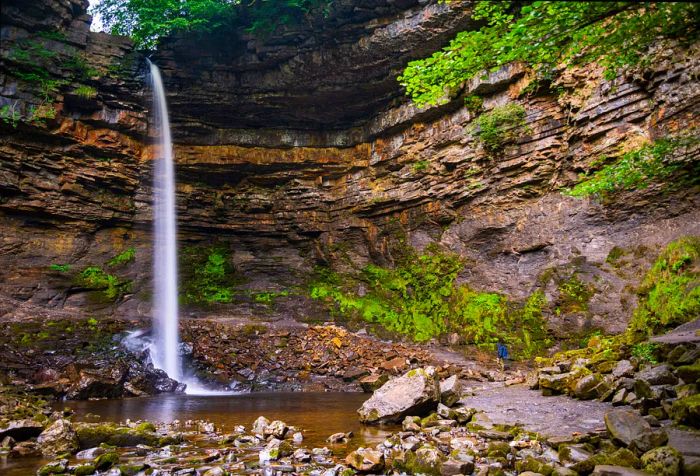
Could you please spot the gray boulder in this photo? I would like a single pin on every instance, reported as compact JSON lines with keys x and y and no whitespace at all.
{"x":417,"y":392}
{"x":658,"y":375}
{"x":634,"y":432}
{"x":450,"y":391}
{"x":609,"y":470}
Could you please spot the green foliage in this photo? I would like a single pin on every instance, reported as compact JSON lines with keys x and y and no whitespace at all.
{"x":474,"y":104}
{"x":39,"y":114}
{"x":94,"y":277}
{"x":645,"y":352}
{"x":636,"y":169}
{"x":61,"y":268}
{"x":500,"y":126}
{"x":55,"y":35}
{"x":574,"y":294}
{"x":81,"y":68}
{"x":267,"y":297}
{"x":420,"y":166}
{"x":146,"y":21}
{"x":546,"y":35}
{"x":10,"y":114}
{"x":126,"y":256}
{"x":669,"y":294}
{"x":207,"y":275}
{"x":85,"y":92}
{"x":420,"y":298}
{"x":614,"y":255}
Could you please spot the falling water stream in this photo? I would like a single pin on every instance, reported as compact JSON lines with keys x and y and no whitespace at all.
{"x":165,"y":323}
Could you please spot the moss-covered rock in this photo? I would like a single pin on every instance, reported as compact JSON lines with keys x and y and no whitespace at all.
{"x":663,"y":461}
{"x":106,"y":461}
{"x":533,"y":465}
{"x":84,"y":469}
{"x":689,"y":373}
{"x":91,"y":435}
{"x":687,"y":410}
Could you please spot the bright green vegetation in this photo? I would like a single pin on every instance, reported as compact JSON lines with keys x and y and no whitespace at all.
{"x":500,"y":126}
{"x":420,"y":166}
{"x":268,"y":297}
{"x":636,"y":169}
{"x":474,"y":104}
{"x":545,"y":35}
{"x":61,"y":268}
{"x":111,"y":286}
{"x":146,"y":21}
{"x":420,"y":298}
{"x":645,"y":352}
{"x":126,"y":256}
{"x":669,"y":294}
{"x":574,"y":295}
{"x":207,"y":275}
{"x":85,"y":92}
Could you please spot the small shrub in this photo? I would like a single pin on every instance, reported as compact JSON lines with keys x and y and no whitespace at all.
{"x":645,"y":352}
{"x":500,"y":126}
{"x":126,"y":256}
{"x":85,"y":92}
{"x":574,"y":295}
{"x":474,"y":104}
{"x":420,"y":166}
{"x":614,"y":255}
{"x":10,"y":114}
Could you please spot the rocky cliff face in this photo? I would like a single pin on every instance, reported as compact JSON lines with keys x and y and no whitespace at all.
{"x":300,"y":150}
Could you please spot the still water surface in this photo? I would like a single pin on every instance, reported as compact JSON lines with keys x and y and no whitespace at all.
{"x":319,"y":415}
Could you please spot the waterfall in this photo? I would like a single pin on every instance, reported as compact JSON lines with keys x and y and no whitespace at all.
{"x":165,"y":308}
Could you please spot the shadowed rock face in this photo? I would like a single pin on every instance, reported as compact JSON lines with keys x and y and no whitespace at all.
{"x":322,"y":78}
{"x":300,"y":151}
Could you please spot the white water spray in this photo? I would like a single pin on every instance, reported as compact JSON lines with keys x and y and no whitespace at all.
{"x":165,"y":327}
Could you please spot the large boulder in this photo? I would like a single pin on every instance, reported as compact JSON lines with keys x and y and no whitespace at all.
{"x":417,"y":392}
{"x":663,"y":461}
{"x":658,"y":375}
{"x":631,"y":430}
{"x":58,"y":438}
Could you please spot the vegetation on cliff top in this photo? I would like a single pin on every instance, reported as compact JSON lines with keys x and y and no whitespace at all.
{"x":547,"y":36}
{"x":147,"y":21}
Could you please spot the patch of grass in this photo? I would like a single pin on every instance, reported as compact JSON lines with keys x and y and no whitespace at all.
{"x":420,"y":166}
{"x":474,"y":104}
{"x":85,"y":92}
{"x":268,"y":297}
{"x":500,"y":126}
{"x":635,"y":170}
{"x":669,"y":294}
{"x":10,"y":114}
{"x":61,"y":268}
{"x":126,"y":256}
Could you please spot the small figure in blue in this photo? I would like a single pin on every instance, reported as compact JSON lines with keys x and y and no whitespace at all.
{"x":502,"y":355}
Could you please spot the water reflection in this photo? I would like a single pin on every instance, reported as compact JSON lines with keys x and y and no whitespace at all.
{"x":318,"y":414}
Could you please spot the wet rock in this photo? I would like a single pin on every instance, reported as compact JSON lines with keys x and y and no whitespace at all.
{"x":54,"y":467}
{"x":90,"y":453}
{"x":555,"y":383}
{"x":21,"y":430}
{"x":365,"y":460}
{"x":663,"y":461}
{"x":336,"y":438}
{"x":259,"y":425}
{"x":453,"y":467}
{"x":302,"y":455}
{"x":658,"y":375}
{"x":411,"y":423}
{"x":631,"y":430}
{"x":25,"y":448}
{"x":415,"y":393}
{"x":450,"y":391}
{"x":533,"y":465}
{"x":610,"y":470}
{"x":425,"y":460}
{"x":97,"y":384}
{"x":276,"y":429}
{"x":106,"y":461}
{"x":58,"y":438}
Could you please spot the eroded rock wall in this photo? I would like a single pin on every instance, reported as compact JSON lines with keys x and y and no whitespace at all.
{"x":288,"y":181}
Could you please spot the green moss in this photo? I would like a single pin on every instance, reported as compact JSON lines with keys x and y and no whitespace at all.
{"x":574,"y":294}
{"x":84,"y":469}
{"x":61,"y":268}
{"x":95,"y":278}
{"x":420,"y":166}
{"x":646,"y":352}
{"x":146,"y":426}
{"x":207,"y":275}
{"x":536,"y":466}
{"x":614,"y":256}
{"x":85,"y":92}
{"x":106,"y":461}
{"x":268,"y":297}
{"x":500,"y":126}
{"x":91,"y":435}
{"x":689,"y":373}
{"x":126,"y":256}
{"x":669,"y":294}
{"x":687,"y":410}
